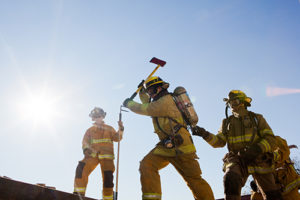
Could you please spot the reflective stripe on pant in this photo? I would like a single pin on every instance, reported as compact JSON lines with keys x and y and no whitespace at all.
{"x":151,"y":196}
{"x":185,"y":164}
{"x":85,"y":168}
{"x":80,"y":190}
{"x":108,"y":197}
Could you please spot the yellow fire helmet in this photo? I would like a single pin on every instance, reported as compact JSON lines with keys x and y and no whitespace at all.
{"x":155,"y":80}
{"x":97,"y":112}
{"x":238,"y":94}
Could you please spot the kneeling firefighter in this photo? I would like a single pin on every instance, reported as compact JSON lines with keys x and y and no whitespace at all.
{"x":250,"y":143}
{"x":175,"y":146}
{"x":97,"y":148}
{"x":285,"y":174}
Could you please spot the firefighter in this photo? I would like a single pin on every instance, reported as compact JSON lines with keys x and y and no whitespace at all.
{"x":175,"y":147}
{"x":285,"y":173}
{"x":97,"y":146}
{"x":250,"y":143}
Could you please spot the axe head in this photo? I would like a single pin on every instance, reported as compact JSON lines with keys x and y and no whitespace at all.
{"x":158,"y":61}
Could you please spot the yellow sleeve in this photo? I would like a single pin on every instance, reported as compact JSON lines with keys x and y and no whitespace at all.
{"x":218,"y":140}
{"x":116,"y":136}
{"x":86,"y":141}
{"x":159,"y":108}
{"x":282,"y":152}
{"x":144,"y":96}
{"x":268,"y":141}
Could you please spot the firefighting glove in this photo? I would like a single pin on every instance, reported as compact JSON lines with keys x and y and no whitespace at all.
{"x":87,"y":152}
{"x":125,"y":103}
{"x":250,"y":153}
{"x":121,"y":126}
{"x":141,"y":84}
{"x":199,"y":131}
{"x":143,"y":89}
{"x":177,"y":140}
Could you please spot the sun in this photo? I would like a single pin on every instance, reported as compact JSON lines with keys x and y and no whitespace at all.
{"x":41,"y":108}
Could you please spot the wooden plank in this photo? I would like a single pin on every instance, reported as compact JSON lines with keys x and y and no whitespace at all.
{"x":16,"y":190}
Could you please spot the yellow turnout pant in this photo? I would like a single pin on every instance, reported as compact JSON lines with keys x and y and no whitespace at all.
{"x":186,"y":165}
{"x":85,"y":168}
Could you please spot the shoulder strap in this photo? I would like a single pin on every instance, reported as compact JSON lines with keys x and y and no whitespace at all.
{"x":175,"y":129}
{"x":159,"y":127}
{"x":178,"y":125}
{"x":225,"y":129}
{"x":182,"y":113}
{"x":225,"y":126}
{"x":254,"y":119}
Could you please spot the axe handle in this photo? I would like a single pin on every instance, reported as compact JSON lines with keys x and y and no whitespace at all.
{"x":117,"y":177}
{"x":137,"y":91}
{"x":120,"y":116}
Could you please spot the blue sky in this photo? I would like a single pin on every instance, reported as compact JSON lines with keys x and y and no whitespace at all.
{"x":60,"y":58}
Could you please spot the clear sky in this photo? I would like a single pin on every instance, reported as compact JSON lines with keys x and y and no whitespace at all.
{"x":60,"y":58}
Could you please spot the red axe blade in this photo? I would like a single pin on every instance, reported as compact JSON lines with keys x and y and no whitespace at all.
{"x":158,"y":61}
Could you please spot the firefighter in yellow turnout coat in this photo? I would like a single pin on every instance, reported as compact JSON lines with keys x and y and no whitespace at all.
{"x":175,"y":146}
{"x":285,"y":173}
{"x":97,"y":147}
{"x":250,"y":142}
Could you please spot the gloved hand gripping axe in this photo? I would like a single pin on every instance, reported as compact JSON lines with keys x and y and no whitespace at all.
{"x":160,"y":63}
{"x":118,"y":155}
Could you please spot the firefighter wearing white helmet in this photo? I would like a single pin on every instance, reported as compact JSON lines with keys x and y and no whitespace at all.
{"x":97,"y":146}
{"x":250,"y":142}
{"x":175,"y":146}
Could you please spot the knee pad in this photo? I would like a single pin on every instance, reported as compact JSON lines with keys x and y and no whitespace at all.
{"x":108,"y":179}
{"x":79,"y":169}
{"x":274,"y":195}
{"x":232,"y":184}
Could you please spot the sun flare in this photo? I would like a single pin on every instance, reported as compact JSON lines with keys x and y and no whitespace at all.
{"x":40,"y":108}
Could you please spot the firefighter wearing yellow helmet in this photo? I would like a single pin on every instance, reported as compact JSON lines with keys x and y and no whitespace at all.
{"x":97,"y":146}
{"x":250,"y":142}
{"x":175,"y":147}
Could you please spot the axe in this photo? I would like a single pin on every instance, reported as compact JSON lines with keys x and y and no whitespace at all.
{"x":159,"y":63}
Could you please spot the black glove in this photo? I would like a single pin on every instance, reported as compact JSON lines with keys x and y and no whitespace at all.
{"x":142,"y":90}
{"x":177,"y":140}
{"x":87,"y":152}
{"x":125,"y":103}
{"x":249,"y":154}
{"x":121,"y":126}
{"x":141,"y":83}
{"x":200,"y":132}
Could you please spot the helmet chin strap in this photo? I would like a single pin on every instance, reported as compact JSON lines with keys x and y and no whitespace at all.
{"x":158,"y":93}
{"x":155,"y":92}
{"x":238,"y":110}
